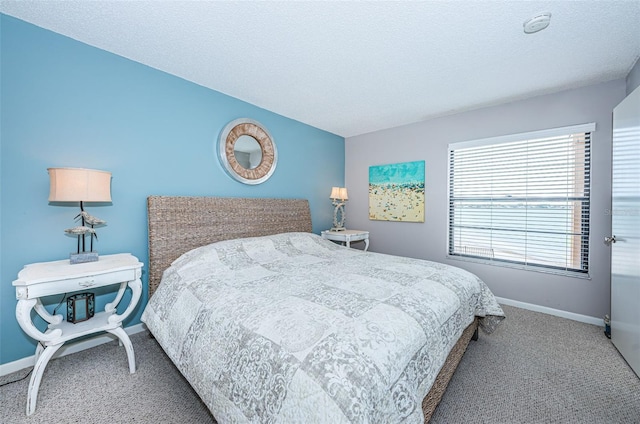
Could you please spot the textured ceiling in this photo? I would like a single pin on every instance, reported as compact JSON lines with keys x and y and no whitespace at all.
{"x":357,"y":67}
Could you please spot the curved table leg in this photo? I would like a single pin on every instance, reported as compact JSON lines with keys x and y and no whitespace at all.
{"x":126,"y":342}
{"x":366,"y":244}
{"x":51,"y":319}
{"x":136,"y":291}
{"x":36,"y":377}
{"x":109,"y":307}
{"x":39,"y":349}
{"x":23,"y":315}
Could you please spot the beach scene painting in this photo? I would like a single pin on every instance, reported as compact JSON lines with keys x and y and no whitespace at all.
{"x":396,"y":192}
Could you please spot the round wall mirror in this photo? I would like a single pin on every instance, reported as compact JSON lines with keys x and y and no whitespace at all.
{"x":247,"y":151}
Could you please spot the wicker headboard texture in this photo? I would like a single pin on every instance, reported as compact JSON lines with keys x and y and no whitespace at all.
{"x":178,"y":224}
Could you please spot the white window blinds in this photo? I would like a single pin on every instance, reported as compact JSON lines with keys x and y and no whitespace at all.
{"x":522,"y":199}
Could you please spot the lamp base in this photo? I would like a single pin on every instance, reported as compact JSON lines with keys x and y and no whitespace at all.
{"x":82,"y":257}
{"x":337,"y":229}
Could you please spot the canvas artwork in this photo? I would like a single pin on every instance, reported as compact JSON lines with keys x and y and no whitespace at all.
{"x":396,"y":192}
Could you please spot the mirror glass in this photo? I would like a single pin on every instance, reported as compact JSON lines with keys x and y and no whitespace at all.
{"x":247,"y":151}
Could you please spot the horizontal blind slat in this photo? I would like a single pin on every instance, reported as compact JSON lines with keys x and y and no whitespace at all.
{"x":523,"y":201}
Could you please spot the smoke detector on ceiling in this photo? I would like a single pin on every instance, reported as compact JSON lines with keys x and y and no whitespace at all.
{"x":537,"y":23}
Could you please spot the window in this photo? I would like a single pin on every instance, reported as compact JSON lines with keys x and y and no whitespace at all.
{"x":522,"y":200}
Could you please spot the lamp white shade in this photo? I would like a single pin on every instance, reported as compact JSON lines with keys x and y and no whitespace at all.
{"x":79,"y":185}
{"x":339,"y":193}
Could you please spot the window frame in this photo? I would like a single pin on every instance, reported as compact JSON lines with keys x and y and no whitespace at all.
{"x":522,"y":137}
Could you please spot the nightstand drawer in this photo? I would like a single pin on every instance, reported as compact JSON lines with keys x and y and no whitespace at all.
{"x":87,"y":282}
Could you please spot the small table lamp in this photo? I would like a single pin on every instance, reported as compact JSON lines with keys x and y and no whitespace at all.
{"x":81,"y":185}
{"x":339,"y":197}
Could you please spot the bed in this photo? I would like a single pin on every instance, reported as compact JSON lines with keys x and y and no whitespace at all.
{"x":271,"y":323}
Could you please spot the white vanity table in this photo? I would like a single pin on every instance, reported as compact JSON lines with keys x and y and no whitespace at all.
{"x":58,"y":277}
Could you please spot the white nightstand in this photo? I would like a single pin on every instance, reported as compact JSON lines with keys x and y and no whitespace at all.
{"x":51,"y":278}
{"x":347,"y":236}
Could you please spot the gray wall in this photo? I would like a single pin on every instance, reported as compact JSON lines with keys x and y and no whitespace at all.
{"x":633,"y":79}
{"x":428,"y":141}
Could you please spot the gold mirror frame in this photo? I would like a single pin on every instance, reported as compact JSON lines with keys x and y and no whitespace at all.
{"x":230,"y":134}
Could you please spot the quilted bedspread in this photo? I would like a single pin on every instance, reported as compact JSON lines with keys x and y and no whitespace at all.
{"x":293,"y":328}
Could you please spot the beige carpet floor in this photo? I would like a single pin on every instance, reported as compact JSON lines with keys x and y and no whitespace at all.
{"x":535,"y":368}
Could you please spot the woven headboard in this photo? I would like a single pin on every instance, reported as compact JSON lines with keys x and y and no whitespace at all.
{"x":178,"y":224}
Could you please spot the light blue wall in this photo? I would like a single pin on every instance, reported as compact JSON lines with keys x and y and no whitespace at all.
{"x":65,"y":103}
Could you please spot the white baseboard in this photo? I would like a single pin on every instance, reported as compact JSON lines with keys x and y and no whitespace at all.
{"x":557,"y":312}
{"x":30,"y":361}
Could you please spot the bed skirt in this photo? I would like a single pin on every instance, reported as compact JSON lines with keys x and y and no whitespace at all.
{"x":431,"y":401}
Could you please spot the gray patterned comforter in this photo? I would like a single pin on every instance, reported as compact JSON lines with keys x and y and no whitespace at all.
{"x":292,"y":328}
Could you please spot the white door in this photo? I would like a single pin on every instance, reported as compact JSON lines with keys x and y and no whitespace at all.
{"x":625,"y":225}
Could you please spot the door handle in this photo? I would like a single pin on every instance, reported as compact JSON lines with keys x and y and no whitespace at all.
{"x":609,"y":240}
